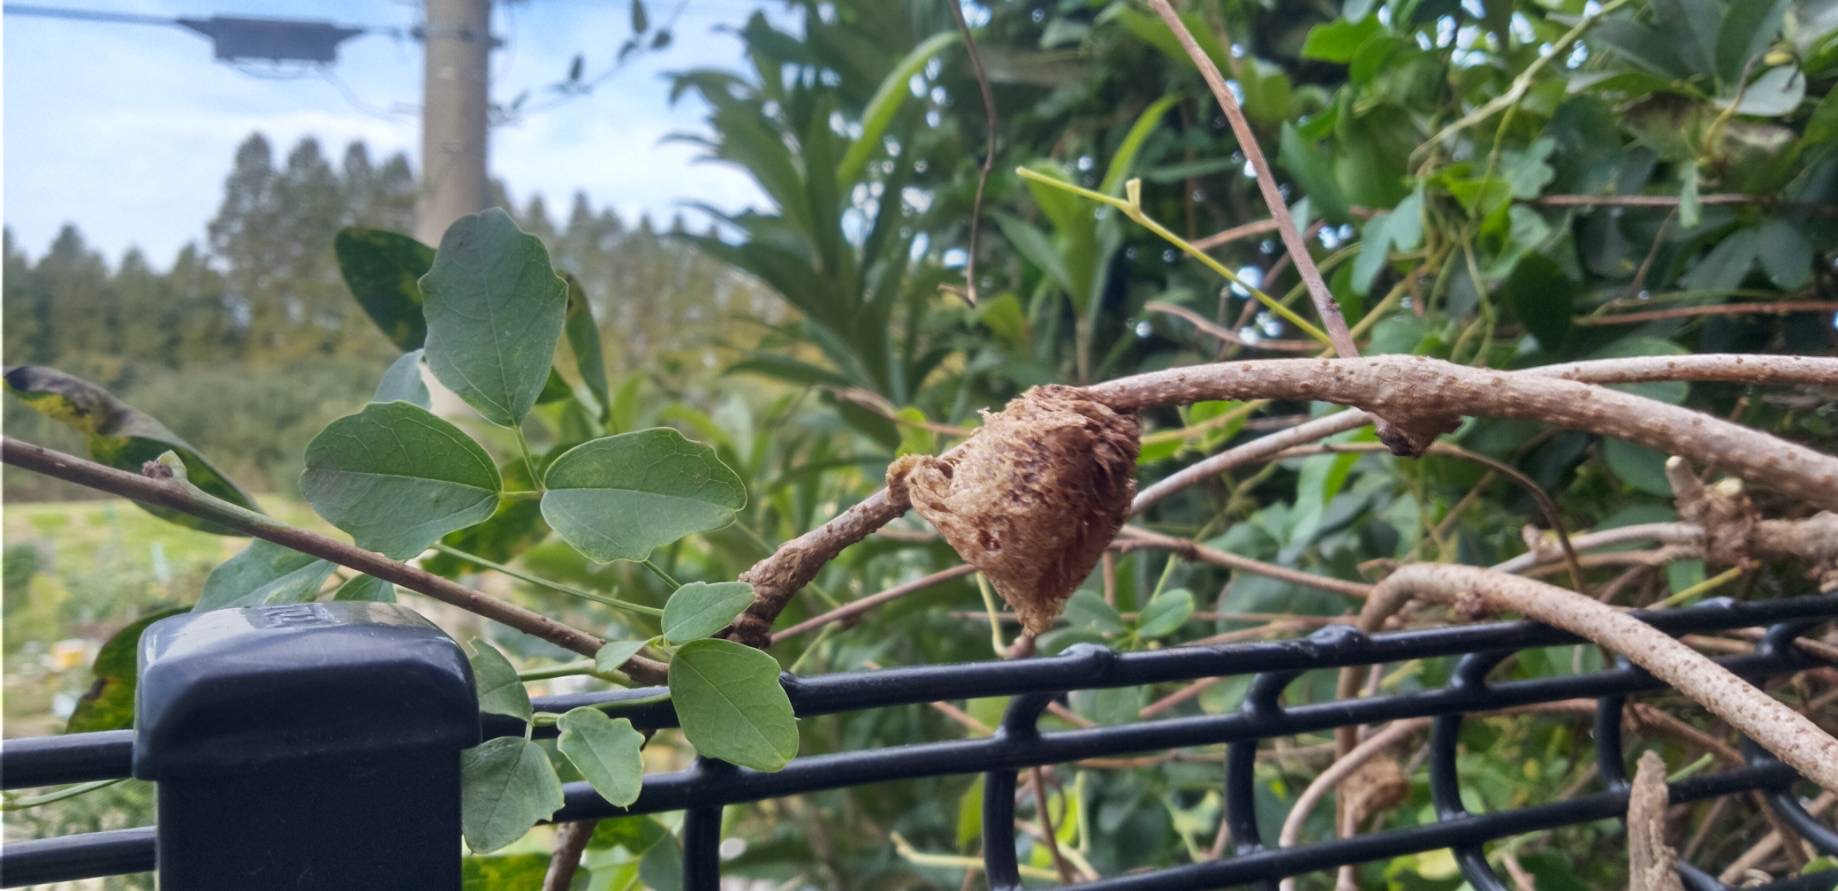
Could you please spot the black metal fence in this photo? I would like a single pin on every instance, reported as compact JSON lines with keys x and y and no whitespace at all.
{"x":316,"y":747}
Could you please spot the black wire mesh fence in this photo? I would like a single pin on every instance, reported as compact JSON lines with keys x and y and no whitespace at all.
{"x":323,"y":778}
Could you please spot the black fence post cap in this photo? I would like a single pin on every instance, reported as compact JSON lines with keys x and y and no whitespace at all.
{"x":234,"y":689}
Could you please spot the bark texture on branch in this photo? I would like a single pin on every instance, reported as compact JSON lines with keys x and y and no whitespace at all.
{"x":1426,"y":397}
{"x":1405,"y":383}
{"x":1789,"y":735}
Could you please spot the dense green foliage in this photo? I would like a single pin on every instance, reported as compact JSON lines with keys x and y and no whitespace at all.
{"x":1459,"y":168}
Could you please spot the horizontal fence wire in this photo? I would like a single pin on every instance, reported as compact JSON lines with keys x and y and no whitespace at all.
{"x":708,"y":786}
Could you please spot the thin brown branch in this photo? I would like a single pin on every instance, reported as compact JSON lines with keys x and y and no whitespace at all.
{"x":1325,"y":782}
{"x":1223,"y":333}
{"x":1066,"y":875}
{"x":1545,"y":505}
{"x":1331,"y":319}
{"x":989,"y":149}
{"x":1672,"y":201}
{"x":1768,"y":847}
{"x":570,"y":843}
{"x":1791,"y":736}
{"x":856,"y":607}
{"x":1239,"y":232}
{"x":1194,"y":550}
{"x":1780,"y":308}
{"x":174,"y":495}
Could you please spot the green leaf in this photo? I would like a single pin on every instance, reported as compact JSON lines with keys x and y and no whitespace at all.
{"x":1123,"y":160}
{"x":264,"y":573}
{"x":398,"y":478}
{"x":731,"y":706}
{"x":1339,"y":39}
{"x":1527,"y":171}
{"x":1398,"y":229}
{"x":1786,"y":255}
{"x":507,"y":785}
{"x":614,"y":655}
{"x":1109,"y":706}
{"x":618,"y":497}
{"x":1036,"y":248}
{"x":1087,"y":609}
{"x":1641,"y":468}
{"x":501,"y":692}
{"x":1542,"y":297}
{"x":1314,"y":171}
{"x":108,"y":704}
{"x":605,"y":751}
{"x":880,"y":111}
{"x":366,"y":587}
{"x":700,"y":609}
{"x":382,"y":269}
{"x":1777,"y":92}
{"x":1749,"y":26}
{"x":495,"y":311}
{"x":1165,"y":614}
{"x":122,"y":436}
{"x":635,"y":834}
{"x":504,"y":872}
{"x":402,"y":382}
{"x":1726,"y":265}
{"x":584,"y":340}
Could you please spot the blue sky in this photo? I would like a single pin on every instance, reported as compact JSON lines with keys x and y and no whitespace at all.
{"x":127,"y":131}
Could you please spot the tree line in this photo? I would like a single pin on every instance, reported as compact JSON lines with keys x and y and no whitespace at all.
{"x":262,"y":291}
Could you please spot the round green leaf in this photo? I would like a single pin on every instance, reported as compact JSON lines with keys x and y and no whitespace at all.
{"x":605,"y":751}
{"x":398,"y":478}
{"x":1165,"y":614}
{"x":263,"y":573}
{"x":618,"y":497}
{"x":500,"y":691}
{"x":700,"y":609}
{"x":494,"y":310}
{"x":507,"y":785}
{"x":613,"y":656}
{"x":731,"y":706}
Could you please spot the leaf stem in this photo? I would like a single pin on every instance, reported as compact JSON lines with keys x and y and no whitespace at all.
{"x":1132,"y":208}
{"x":552,"y":585}
{"x":995,"y":619}
{"x":8,"y":803}
{"x":529,"y":463}
{"x":1700,"y":589}
{"x":562,"y":670}
{"x":660,"y":573}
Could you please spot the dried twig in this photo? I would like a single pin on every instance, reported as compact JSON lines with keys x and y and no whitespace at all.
{"x":1651,"y":863}
{"x":1331,"y":318}
{"x":1324,"y":782}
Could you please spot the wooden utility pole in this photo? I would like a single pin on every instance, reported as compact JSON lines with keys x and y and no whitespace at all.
{"x":456,"y":82}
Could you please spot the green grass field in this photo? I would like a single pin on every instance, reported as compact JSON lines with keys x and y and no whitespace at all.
{"x":76,"y":571}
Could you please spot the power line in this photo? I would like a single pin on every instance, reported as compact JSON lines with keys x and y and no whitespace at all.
{"x":233,"y":38}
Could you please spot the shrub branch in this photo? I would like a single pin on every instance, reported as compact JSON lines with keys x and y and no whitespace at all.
{"x":175,"y":494}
